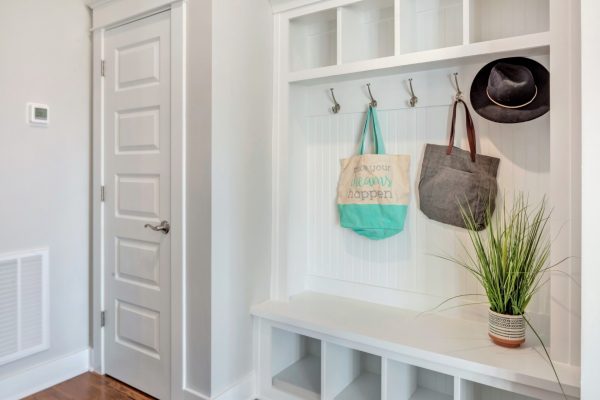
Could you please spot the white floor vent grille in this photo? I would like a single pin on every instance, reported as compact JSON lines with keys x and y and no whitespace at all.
{"x":24,"y":297}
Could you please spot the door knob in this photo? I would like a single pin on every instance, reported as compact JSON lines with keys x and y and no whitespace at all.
{"x":164,"y":227}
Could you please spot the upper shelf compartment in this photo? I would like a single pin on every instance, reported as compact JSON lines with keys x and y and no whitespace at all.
{"x":348,"y":38}
{"x":430,"y":24}
{"x":367,"y":30}
{"x":527,"y":45}
{"x":313,"y":40}
{"x":493,"y":19}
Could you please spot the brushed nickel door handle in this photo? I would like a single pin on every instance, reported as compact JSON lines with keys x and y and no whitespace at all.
{"x":164,"y":227}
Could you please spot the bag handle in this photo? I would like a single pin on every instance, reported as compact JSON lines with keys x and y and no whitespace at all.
{"x":470,"y":130}
{"x":377,"y":139}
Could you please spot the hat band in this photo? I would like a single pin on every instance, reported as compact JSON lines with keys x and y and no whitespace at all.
{"x":505,"y":106}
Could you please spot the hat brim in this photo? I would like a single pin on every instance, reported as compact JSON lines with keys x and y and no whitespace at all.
{"x":493,"y":112}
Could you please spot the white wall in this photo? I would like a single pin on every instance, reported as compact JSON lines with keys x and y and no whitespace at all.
{"x":590,"y":295}
{"x":241,"y":180}
{"x":44,"y":172}
{"x":229,"y":180}
{"x":199,"y":196}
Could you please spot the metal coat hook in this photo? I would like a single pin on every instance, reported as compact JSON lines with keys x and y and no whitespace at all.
{"x":373,"y":102}
{"x":459,"y":93}
{"x":413,"y":99}
{"x":336,"y":106}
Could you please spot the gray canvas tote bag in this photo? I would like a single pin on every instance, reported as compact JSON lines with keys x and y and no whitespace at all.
{"x":452,"y":177}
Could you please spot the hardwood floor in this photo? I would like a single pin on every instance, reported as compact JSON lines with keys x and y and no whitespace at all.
{"x":90,"y":386}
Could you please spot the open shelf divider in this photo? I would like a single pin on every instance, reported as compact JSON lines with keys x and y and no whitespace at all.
{"x":467,"y":21}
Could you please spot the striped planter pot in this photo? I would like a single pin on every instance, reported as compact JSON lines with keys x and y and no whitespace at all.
{"x":506,"y":330}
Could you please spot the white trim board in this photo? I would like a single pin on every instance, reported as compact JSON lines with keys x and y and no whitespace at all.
{"x":244,"y":390}
{"x":590,"y":346}
{"x":45,"y":375}
{"x":178,"y":196}
{"x":191,"y":394}
{"x":286,"y":5}
{"x":107,"y":13}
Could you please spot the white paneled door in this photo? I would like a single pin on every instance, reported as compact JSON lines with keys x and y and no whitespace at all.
{"x":137,"y":243}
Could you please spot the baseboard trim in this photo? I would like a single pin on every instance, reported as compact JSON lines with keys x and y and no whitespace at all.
{"x":44,"y":375}
{"x":244,"y":390}
{"x":191,"y":394}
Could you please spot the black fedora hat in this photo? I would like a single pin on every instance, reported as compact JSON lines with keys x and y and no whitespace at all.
{"x":511,"y":90}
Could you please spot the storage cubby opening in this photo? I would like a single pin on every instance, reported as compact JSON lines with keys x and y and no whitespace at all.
{"x":296,"y":364}
{"x":313,"y":40}
{"x":367,"y":30}
{"x":430,"y":24}
{"x":352,"y":374}
{"x":477,"y":391}
{"x":492,"y":19}
{"x":407,"y":382}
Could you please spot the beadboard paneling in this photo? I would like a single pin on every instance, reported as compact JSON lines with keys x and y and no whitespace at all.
{"x":409,"y":261}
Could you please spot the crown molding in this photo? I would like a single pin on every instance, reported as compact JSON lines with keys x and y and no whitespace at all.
{"x":93,"y":4}
{"x":96,"y":3}
{"x":277,"y":5}
{"x":286,"y":5}
{"x":108,"y":13}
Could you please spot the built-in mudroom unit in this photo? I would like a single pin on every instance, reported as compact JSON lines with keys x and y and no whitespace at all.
{"x":352,"y":318}
{"x":299,"y":199}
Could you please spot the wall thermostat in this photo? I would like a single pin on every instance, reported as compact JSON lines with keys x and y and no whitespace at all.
{"x":38,"y":114}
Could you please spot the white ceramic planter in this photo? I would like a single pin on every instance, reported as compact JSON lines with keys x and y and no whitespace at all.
{"x":506,"y":330}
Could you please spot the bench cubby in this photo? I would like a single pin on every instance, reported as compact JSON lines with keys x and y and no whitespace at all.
{"x":352,"y":374}
{"x":296,"y":364}
{"x":407,"y":382}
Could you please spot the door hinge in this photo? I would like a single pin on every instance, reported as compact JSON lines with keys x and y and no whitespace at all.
{"x":102,"y":67}
{"x":102,"y":193}
{"x":102,"y":318}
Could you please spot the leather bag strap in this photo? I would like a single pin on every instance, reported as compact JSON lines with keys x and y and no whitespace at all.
{"x":470,"y":130}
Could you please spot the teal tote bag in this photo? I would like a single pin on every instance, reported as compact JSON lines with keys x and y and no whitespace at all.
{"x":374,"y":189}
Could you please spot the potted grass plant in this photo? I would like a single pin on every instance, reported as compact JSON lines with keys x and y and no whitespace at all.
{"x":509,"y":260}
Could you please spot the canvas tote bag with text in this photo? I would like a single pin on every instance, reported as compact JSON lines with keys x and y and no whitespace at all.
{"x":373,"y":190}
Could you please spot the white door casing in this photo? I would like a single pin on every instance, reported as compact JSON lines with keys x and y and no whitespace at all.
{"x":137,"y":180}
